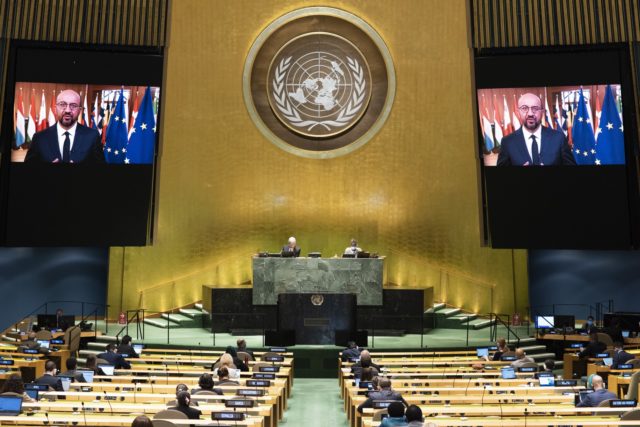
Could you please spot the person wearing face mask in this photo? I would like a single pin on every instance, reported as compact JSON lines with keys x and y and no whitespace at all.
{"x":589,"y":327}
{"x":353,"y":248}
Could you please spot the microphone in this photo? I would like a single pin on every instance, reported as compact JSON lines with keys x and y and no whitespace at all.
{"x":467,"y":387}
{"x":166,"y":372}
{"x":525,"y":416}
{"x":151,"y":381}
{"x":135,"y":388}
{"x":484,"y":388}
{"x":454,"y":378}
{"x":46,"y":414}
{"x":106,"y":397}
{"x":84,"y":413}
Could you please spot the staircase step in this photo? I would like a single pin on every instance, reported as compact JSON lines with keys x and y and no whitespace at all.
{"x":481,"y":323}
{"x":191,"y":313}
{"x":449,"y":312}
{"x":161,"y":323}
{"x":436,"y":307}
{"x":463,"y":318}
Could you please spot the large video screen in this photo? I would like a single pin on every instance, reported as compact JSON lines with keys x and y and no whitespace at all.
{"x":552,"y":126}
{"x":80,"y":140}
{"x":75,"y":123}
{"x":556,"y":156}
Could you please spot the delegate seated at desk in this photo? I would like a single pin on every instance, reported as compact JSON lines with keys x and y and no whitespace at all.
{"x":593,"y":348}
{"x":599,"y":395}
{"x":291,"y":247}
{"x":620,"y":356}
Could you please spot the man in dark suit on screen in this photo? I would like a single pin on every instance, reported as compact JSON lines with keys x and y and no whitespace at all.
{"x":534,"y":144}
{"x":67,"y":141}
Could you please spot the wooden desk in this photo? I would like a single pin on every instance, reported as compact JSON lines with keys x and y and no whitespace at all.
{"x":104,"y":420}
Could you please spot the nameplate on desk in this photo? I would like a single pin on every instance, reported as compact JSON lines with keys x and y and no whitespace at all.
{"x":249,"y":392}
{"x":239,"y":403}
{"x":269,"y":368}
{"x":382,"y":404}
{"x":566,"y":383}
{"x":508,"y":358}
{"x":264,"y":376}
{"x":6,"y":362}
{"x":278,"y":349}
{"x":316,"y":321}
{"x":273,"y":358}
{"x":234,"y":416}
{"x":623,"y":403}
{"x":528,"y":369}
{"x":602,"y":355}
{"x":258,"y":383}
{"x":575,"y":345}
{"x":57,"y":341}
{"x":30,"y":351}
{"x":625,"y":366}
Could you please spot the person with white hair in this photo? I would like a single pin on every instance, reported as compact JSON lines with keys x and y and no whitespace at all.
{"x":599,"y":395}
{"x":290,"y":249}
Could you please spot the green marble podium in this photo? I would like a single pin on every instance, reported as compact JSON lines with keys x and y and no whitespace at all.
{"x":360,"y":276}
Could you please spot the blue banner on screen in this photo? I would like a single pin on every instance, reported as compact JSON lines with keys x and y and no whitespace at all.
{"x":552,"y":126}
{"x":84,"y":123}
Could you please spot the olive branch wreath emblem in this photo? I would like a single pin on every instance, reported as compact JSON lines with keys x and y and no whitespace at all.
{"x":346,"y":114}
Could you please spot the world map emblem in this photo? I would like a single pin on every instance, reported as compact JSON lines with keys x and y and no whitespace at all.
{"x":320,"y":85}
{"x":319,"y":82}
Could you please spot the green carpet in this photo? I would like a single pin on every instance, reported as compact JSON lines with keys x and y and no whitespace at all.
{"x":315,"y":403}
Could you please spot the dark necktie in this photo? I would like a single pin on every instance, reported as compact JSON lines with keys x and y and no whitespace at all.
{"x":535,"y":155}
{"x":66,"y":148}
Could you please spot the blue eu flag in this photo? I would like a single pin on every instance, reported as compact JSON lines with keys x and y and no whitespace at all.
{"x":610,"y":144}
{"x":115,"y":145}
{"x":143,"y":134}
{"x":584,"y":143}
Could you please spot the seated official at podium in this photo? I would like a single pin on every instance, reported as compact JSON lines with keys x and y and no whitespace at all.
{"x":353,"y":248}
{"x":290,"y":249}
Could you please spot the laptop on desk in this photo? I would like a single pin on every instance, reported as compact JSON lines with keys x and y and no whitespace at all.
{"x":107,"y":369}
{"x":10,"y":406}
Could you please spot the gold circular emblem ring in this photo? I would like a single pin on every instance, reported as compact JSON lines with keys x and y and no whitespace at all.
{"x":319,"y":82}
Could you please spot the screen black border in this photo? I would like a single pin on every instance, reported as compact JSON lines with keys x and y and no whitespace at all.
{"x":558,"y":66}
{"x":89,"y":64}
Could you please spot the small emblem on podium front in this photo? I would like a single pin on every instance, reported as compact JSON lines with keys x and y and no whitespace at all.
{"x":317,"y":299}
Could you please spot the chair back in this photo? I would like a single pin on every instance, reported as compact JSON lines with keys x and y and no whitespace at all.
{"x":269,"y":354}
{"x":44,"y":334}
{"x":102,"y":362}
{"x":256,"y":366}
{"x":605,"y":338}
{"x":170,"y":414}
{"x":632,"y":392}
{"x":530,"y":365}
{"x":605,"y":403}
{"x":162,"y":423}
{"x":632,"y":415}
{"x":377,"y":415}
{"x":245,"y":357}
{"x":72,"y":338}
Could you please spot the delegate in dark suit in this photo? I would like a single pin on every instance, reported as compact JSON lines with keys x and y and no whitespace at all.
{"x":52,"y":381}
{"x":620,"y":358}
{"x":86,"y":147}
{"x":594,"y":399}
{"x":554,"y":149}
{"x":115,"y":359}
{"x":295,"y":250}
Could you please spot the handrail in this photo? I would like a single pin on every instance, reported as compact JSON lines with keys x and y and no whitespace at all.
{"x":498,"y":319}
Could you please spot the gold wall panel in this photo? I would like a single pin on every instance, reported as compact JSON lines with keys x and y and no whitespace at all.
{"x":225,"y":192}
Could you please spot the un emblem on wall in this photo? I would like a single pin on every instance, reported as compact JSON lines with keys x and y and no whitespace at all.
{"x":320,"y":85}
{"x":319,"y":82}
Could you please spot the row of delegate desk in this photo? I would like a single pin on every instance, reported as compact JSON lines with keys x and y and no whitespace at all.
{"x":452,"y":392}
{"x":574,"y":367}
{"x":150,"y":385}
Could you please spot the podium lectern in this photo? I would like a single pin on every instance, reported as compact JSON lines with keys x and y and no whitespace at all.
{"x":315,"y":317}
